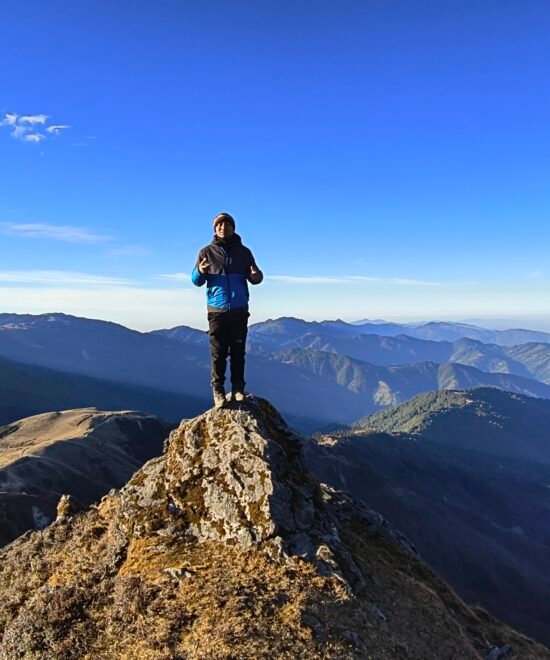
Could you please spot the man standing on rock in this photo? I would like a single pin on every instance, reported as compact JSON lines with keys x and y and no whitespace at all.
{"x":226,"y":266}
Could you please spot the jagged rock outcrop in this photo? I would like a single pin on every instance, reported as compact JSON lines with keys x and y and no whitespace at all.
{"x":226,"y":547}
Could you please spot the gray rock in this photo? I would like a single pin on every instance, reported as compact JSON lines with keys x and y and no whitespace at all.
{"x":65,"y":507}
{"x":355,"y":639}
{"x":243,"y":481}
{"x":379,"y":614}
{"x":237,"y":475}
{"x":498,"y":652}
{"x":300,"y":545}
{"x":178,"y":573}
{"x":313,"y":622}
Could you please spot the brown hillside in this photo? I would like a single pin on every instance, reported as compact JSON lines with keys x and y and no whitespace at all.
{"x":83,"y":452}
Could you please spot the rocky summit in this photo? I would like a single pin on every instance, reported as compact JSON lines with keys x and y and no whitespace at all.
{"x":226,"y":547}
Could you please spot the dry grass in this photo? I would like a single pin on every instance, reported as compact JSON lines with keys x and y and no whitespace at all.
{"x":79,"y":590}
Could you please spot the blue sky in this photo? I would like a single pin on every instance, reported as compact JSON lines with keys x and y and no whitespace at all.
{"x":382,"y":159}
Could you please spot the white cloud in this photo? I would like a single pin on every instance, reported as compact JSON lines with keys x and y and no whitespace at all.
{"x":33,"y":137}
{"x":23,"y":127}
{"x":175,"y":277}
{"x":19,"y":132}
{"x":32,"y":119}
{"x":306,"y":279}
{"x":130,"y":251}
{"x":402,"y":281}
{"x":60,"y":278}
{"x":348,"y":279}
{"x":57,"y":128}
{"x":10,"y":118}
{"x":67,"y":233}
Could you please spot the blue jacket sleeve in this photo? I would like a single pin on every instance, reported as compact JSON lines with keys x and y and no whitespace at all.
{"x":197,"y":278}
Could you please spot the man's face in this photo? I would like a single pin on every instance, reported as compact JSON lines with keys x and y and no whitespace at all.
{"x":224,"y":229}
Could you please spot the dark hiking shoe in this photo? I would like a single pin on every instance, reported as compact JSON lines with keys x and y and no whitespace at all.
{"x":219,"y":398}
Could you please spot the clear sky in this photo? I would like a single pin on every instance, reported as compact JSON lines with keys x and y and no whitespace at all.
{"x":382,"y":158}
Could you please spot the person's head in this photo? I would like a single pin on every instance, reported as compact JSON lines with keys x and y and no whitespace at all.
{"x":224,"y":225}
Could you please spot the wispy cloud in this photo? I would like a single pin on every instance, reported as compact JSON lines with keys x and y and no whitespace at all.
{"x":10,"y":118}
{"x":60,"y":278}
{"x":129,"y":251}
{"x":306,"y":279}
{"x":33,"y":137}
{"x":19,"y":132}
{"x":23,"y":127}
{"x":349,"y":279}
{"x":175,"y":277}
{"x":33,"y":119}
{"x":67,"y":233}
{"x":57,"y":128}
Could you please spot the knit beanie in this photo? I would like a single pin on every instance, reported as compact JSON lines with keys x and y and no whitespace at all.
{"x":224,"y":216}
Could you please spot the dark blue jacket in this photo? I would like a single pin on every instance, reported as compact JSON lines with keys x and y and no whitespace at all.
{"x":228,"y":273}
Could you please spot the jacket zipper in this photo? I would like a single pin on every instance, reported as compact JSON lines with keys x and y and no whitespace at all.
{"x":226,"y":256}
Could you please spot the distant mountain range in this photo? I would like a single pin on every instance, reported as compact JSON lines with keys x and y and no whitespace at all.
{"x":528,"y":360}
{"x":104,"y":350}
{"x":448,"y":331}
{"x":466,"y":476}
{"x":319,"y":374}
{"x":376,"y":386}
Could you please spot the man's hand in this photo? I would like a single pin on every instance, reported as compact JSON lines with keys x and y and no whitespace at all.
{"x":204,"y":266}
{"x":254,"y":274}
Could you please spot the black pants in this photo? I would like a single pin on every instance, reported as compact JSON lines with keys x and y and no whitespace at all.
{"x":227,"y":331}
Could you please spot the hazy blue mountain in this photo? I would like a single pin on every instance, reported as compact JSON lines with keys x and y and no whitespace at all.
{"x":377,"y":349}
{"x":27,"y":390}
{"x":535,"y":357}
{"x":485,"y":419}
{"x":105,"y":350}
{"x":375,"y":322}
{"x":111,"y":352}
{"x":314,"y":388}
{"x":278,"y":331}
{"x":344,"y":339}
{"x":453,"y":331}
{"x":382,"y":386}
{"x":185,"y":334}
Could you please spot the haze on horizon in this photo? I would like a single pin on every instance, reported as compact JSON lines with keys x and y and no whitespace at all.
{"x":381,"y":162}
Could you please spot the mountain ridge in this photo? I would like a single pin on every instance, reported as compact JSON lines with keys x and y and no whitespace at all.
{"x":83,"y":452}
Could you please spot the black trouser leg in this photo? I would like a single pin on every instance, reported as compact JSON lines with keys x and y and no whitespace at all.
{"x":219,"y":348}
{"x":237,"y":349}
